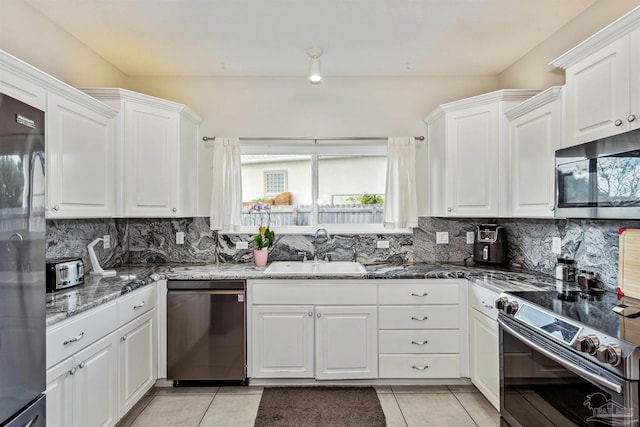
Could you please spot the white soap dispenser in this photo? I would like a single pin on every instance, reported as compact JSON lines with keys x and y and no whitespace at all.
{"x":96,"y":269}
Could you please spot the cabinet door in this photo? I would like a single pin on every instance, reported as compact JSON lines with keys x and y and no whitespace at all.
{"x":282,"y":341}
{"x":60,"y":394}
{"x":96,"y":384}
{"x":535,"y":137}
{"x":472,"y":161}
{"x":80,"y":172}
{"x":633,"y":115}
{"x":150,"y":161}
{"x":137,"y":367}
{"x":485,"y":356}
{"x":346,"y":342}
{"x":597,"y":94}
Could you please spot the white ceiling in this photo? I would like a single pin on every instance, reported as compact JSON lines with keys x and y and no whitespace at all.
{"x":271,"y":37}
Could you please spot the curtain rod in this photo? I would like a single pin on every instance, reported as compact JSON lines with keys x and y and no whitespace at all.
{"x":310,"y":138}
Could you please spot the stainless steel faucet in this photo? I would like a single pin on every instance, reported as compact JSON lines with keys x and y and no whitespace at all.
{"x":315,"y":242}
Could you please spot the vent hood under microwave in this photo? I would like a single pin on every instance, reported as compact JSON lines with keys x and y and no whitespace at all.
{"x":599,"y":179}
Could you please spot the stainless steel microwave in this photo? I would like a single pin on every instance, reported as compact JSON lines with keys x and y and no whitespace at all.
{"x":599,"y":179}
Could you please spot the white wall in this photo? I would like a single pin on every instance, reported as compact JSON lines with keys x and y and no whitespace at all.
{"x":533,"y":71}
{"x":28,"y":35}
{"x":288,"y":106}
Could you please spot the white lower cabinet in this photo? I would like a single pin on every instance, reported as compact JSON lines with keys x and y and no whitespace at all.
{"x":422,"y":330}
{"x":283,"y":339}
{"x":101,"y":362}
{"x":82,"y":390}
{"x":484,"y":344}
{"x":137,"y":366}
{"x":324,"y":330}
{"x":346,"y":345}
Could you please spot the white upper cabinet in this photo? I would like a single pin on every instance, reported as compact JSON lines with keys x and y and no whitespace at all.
{"x":79,"y":152}
{"x":21,"y":81}
{"x":156,"y":144}
{"x":535,"y":135}
{"x":469,"y":155}
{"x":603,"y":82}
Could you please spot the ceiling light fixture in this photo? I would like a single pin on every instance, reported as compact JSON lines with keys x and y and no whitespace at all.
{"x":315,"y":77}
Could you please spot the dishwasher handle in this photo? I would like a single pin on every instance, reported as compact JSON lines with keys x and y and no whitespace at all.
{"x":205,"y":292}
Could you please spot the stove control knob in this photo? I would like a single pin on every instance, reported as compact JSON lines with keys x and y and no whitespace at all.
{"x":511,"y":308}
{"x":587,"y":344}
{"x":501,"y":303}
{"x":609,"y":353}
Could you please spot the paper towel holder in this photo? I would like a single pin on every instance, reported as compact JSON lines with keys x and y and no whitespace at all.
{"x":96,"y":270}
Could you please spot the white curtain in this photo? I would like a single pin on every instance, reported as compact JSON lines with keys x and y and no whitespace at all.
{"x":226,"y":192}
{"x":400,"y":204}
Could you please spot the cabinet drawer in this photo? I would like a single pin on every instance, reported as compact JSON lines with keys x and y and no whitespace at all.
{"x":419,"y":317}
{"x":419,"y":341}
{"x":483,"y":300}
{"x":136,"y":303}
{"x":419,"y":293}
{"x":419,"y":366}
{"x":72,"y":335}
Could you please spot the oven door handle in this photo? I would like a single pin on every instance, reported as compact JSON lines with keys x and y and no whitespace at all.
{"x":570,"y":366}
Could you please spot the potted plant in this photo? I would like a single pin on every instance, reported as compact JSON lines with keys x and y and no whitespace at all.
{"x":265,"y":238}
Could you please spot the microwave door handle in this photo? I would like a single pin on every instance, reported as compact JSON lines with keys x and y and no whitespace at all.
{"x":570,"y":366}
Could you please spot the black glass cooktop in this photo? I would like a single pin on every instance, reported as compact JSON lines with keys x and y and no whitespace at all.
{"x":592,"y":310}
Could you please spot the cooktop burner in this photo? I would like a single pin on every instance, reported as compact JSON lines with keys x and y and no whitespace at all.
{"x":594,"y":310}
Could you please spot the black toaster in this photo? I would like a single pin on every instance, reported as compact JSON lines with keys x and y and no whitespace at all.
{"x":64,"y":273}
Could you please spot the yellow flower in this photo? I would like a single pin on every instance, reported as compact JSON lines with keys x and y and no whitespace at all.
{"x":263,"y":229}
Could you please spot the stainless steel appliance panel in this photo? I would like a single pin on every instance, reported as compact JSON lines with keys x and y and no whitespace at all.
{"x":22,"y":257}
{"x":206,"y":332}
{"x":599,"y":179}
{"x":34,"y":416}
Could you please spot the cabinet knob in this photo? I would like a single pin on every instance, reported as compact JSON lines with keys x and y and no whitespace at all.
{"x":631,"y":118}
{"x":81,"y":365}
{"x":174,"y":210}
{"x":449,"y":209}
{"x":56,"y":208}
{"x":618,"y":122}
{"x":72,"y":371}
{"x":552,"y":208}
{"x":319,"y":315}
{"x":124,"y":338}
{"x":310,"y":314}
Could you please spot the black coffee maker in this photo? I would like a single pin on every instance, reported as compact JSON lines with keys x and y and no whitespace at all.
{"x":490,"y":244}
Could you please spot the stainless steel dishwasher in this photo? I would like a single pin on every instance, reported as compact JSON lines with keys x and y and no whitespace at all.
{"x":206,"y":331}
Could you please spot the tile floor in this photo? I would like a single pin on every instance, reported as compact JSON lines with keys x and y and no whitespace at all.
{"x":237,"y":406}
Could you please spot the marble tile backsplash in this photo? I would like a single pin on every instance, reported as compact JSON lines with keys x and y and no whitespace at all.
{"x":593,"y":244}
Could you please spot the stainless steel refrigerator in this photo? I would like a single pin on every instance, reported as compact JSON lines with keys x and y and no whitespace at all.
{"x":22,"y":265}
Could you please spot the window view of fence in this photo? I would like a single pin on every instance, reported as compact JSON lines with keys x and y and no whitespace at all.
{"x":327,"y":214}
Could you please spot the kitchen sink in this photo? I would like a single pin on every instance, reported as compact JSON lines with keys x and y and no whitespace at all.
{"x":315,"y":268}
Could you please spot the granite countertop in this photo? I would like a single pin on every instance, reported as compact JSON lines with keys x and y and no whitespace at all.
{"x":96,"y":291}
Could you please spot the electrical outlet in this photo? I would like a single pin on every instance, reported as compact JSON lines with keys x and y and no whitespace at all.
{"x":382,"y":244}
{"x":556,"y":245}
{"x":242,"y":245}
{"x":442,"y":237}
{"x":470,"y":237}
{"x":179,"y":237}
{"x":106,"y":241}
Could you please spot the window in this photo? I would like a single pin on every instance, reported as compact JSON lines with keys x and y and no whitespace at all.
{"x":339,"y":187}
{"x":275,"y":182}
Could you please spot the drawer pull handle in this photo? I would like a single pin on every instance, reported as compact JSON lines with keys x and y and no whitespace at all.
{"x":420,"y":342}
{"x":135,"y":307}
{"x":78,"y":338}
{"x":490,"y":307}
{"x":421,"y":368}
{"x":413,"y":294}
{"x":419,"y":319}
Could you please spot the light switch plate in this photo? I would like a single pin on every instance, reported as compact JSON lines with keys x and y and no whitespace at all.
{"x":106,"y":241}
{"x":242,"y":245}
{"x":556,"y":245}
{"x":442,"y":237}
{"x":470,"y":237}
{"x":179,"y":237}
{"x":382,"y":244}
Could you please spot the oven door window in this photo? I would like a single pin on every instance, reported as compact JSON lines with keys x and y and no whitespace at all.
{"x":537,"y":391}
